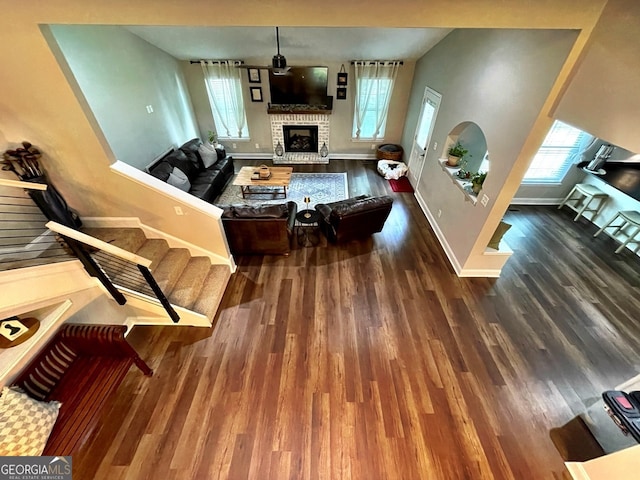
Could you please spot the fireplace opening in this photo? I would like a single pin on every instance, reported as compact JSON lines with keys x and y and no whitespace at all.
{"x":300,"y":138}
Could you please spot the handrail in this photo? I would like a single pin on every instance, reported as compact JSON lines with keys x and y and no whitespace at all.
{"x":18,"y":184}
{"x":99,"y":244}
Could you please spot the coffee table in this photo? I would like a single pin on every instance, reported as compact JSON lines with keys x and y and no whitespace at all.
{"x":279,"y":180}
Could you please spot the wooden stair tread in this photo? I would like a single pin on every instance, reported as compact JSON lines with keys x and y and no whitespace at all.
{"x":188,"y":287}
{"x":212,"y":290}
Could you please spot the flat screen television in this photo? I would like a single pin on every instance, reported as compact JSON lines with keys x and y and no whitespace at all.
{"x":302,"y":85}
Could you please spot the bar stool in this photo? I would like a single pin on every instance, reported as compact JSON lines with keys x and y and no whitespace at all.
{"x":586,"y":193}
{"x":629,"y":218}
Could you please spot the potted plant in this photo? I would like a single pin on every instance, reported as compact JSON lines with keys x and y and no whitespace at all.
{"x":477,"y":179}
{"x":456,"y":153}
{"x":213,"y":139}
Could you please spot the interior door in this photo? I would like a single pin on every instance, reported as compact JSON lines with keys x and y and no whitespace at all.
{"x":424,"y":129}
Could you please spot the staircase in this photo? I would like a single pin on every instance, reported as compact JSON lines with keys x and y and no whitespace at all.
{"x":190,"y":282}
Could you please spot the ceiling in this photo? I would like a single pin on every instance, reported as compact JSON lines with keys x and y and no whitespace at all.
{"x":297,"y":44}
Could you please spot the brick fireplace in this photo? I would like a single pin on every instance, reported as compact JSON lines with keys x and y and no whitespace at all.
{"x":309,"y":141}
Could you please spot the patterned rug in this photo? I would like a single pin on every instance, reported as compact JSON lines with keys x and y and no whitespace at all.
{"x":321,"y":187}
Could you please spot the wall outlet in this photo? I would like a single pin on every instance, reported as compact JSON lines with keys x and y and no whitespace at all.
{"x":373,"y":147}
{"x":178,"y":210}
{"x":233,"y":145}
{"x":484,"y":200}
{"x":257,"y":145}
{"x":439,"y":213}
{"x":435,"y":145}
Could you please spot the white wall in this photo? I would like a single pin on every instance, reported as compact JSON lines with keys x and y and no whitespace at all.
{"x":498,"y":79}
{"x":119,"y":75}
{"x":603,"y":98}
{"x":341,"y":117}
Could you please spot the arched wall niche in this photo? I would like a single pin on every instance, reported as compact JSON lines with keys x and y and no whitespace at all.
{"x":471,"y":137}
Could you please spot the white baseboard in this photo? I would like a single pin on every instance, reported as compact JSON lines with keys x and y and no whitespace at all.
{"x":250,"y":156}
{"x":479,"y":273}
{"x":439,"y":235}
{"x":461,"y":272}
{"x":354,"y":156}
{"x":150,"y":232}
{"x":536,"y":201}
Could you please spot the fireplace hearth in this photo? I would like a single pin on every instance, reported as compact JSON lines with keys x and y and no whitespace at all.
{"x":300,"y":138}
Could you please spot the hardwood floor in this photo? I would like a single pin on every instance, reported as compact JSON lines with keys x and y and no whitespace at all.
{"x":373,"y":360}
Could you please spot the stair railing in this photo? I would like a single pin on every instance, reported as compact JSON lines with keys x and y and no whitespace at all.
{"x":24,"y":239}
{"x":117,"y":269}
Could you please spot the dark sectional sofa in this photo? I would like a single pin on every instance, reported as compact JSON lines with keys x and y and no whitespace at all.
{"x":205,"y":183}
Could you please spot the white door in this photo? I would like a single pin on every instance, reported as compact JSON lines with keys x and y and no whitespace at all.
{"x":424,"y":129}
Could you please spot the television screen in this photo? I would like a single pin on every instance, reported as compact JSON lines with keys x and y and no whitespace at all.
{"x":304,"y":85}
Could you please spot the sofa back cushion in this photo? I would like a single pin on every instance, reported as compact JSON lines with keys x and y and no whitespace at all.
{"x":208,"y":154}
{"x":190,"y":149}
{"x":265,"y":211}
{"x":177,"y":158}
{"x":177,"y":178}
{"x":361,"y":205}
{"x":161,"y":170}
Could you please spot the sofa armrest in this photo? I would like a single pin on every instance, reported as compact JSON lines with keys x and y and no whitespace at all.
{"x":293,"y":210}
{"x":325,"y":211}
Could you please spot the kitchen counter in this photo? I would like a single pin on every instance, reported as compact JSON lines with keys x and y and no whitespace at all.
{"x":624,"y":176}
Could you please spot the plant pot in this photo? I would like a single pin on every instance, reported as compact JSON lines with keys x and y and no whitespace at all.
{"x":476,"y":187}
{"x":453,"y":161}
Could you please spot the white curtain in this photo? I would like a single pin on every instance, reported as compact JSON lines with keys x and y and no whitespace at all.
{"x":374,"y":85}
{"x":224,"y":86}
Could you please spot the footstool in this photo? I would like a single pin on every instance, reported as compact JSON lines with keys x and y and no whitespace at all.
{"x":390,"y":169}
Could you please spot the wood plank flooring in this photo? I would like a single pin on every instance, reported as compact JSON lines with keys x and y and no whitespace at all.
{"x":374,"y":361}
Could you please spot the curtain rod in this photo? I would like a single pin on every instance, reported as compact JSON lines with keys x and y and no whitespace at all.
{"x":401,"y":62}
{"x":225,"y":60}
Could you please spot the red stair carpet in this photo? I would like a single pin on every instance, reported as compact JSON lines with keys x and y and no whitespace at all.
{"x":401,"y":185}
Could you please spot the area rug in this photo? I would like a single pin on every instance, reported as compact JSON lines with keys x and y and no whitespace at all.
{"x":320,"y":187}
{"x":401,"y":185}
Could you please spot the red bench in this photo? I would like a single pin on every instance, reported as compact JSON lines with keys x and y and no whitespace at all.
{"x":80,"y":367}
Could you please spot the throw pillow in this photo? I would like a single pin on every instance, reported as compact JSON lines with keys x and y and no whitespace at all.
{"x":208,"y":154}
{"x":25,"y":423}
{"x":178,"y":179}
{"x":497,"y":235}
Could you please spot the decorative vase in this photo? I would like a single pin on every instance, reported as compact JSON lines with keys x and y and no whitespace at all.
{"x":324,"y":151}
{"x":453,"y":161}
{"x":279,"y":150}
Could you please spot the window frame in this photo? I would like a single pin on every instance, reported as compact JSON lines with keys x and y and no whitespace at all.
{"x":213,"y":85}
{"x":383,"y":127}
{"x":546,"y":148}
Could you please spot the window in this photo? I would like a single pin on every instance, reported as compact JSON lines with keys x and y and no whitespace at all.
{"x":556,"y":154}
{"x":374,"y":86}
{"x":225,"y":96}
{"x":378,"y":90}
